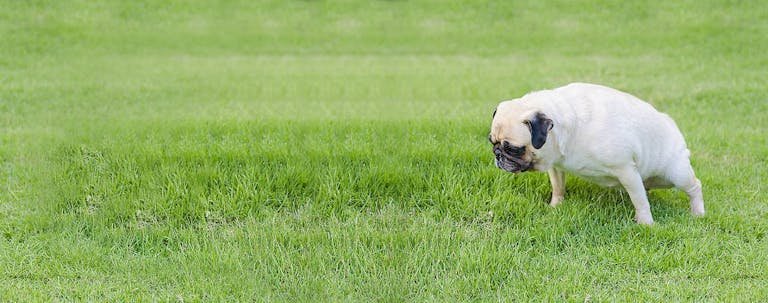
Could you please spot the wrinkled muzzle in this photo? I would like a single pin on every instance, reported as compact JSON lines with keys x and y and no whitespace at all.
{"x":510,"y":163}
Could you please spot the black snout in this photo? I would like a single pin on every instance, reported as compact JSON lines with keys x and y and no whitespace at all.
{"x":510,"y":158}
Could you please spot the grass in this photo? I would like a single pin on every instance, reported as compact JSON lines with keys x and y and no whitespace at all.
{"x":336,"y":151}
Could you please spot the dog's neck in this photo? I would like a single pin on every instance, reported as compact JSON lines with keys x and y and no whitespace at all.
{"x":553,"y":150}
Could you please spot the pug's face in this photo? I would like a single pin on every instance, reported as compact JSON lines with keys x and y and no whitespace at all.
{"x":511,"y":158}
{"x":516,"y":135}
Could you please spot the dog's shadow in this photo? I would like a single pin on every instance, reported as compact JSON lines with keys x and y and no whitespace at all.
{"x":613,"y":203}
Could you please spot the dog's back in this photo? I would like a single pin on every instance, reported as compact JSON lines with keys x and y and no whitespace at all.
{"x":614,"y":127}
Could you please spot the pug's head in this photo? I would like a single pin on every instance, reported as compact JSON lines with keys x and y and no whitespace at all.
{"x":517,"y":133}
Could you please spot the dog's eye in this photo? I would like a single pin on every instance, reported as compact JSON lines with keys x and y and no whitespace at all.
{"x":513,"y":150}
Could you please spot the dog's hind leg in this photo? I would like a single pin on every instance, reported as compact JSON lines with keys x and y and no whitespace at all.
{"x":632,"y":181}
{"x":682,"y":176}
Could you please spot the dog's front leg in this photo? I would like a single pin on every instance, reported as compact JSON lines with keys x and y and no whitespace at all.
{"x":632,"y":181}
{"x":557,"y":179}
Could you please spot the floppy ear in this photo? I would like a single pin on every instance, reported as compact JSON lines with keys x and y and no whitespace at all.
{"x":494,"y":114}
{"x":539,"y":125}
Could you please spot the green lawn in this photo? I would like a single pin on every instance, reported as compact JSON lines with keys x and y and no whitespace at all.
{"x":336,"y":151}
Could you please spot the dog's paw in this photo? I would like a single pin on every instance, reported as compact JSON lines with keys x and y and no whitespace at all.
{"x":697,"y":207}
{"x":555,"y":201}
{"x":644,"y":219}
{"x":646,"y":223}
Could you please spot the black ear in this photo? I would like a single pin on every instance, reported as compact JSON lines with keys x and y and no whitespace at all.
{"x":494,"y":114}
{"x":539,"y":126}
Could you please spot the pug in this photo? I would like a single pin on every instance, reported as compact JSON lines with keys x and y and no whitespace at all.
{"x":599,"y":134}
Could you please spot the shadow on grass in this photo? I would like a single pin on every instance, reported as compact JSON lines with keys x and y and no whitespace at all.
{"x":614,"y":202}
